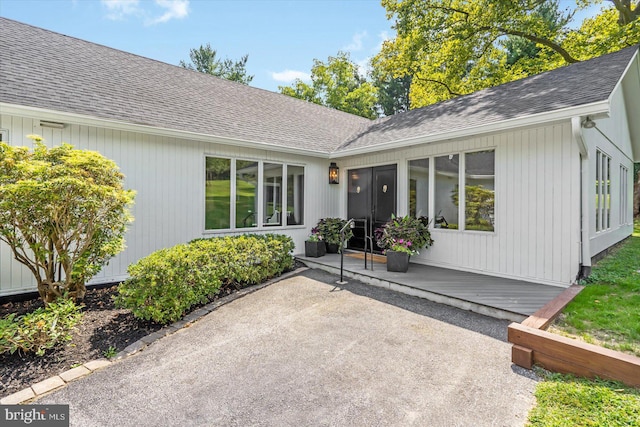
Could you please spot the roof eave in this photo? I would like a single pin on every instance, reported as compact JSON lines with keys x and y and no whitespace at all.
{"x":80,"y":119}
{"x":596,"y":108}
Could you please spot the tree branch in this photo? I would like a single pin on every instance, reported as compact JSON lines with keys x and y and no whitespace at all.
{"x":446,"y":86}
{"x":545,"y":42}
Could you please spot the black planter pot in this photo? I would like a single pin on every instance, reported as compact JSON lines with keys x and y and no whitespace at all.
{"x":397,"y":261}
{"x":314,"y":249}
{"x":332,"y":248}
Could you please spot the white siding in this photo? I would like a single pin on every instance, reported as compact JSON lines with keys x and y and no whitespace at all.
{"x":537,"y":211}
{"x":168,"y":176}
{"x":615,"y":141}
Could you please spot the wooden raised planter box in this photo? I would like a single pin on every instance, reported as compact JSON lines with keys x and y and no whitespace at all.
{"x":532,"y":345}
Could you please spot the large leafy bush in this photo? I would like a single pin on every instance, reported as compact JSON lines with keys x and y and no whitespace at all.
{"x":404,"y":232}
{"x":41,"y":329}
{"x":166,"y":284}
{"x":63,"y":213}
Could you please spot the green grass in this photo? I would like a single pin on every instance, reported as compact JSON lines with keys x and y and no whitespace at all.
{"x":568,"y":401}
{"x":607,"y":311}
{"x":218,"y":204}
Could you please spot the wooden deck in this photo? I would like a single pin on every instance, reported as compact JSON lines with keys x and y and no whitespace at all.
{"x":493,"y":296}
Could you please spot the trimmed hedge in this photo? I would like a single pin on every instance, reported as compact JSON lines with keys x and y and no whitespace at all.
{"x":41,"y":329}
{"x":166,"y":284}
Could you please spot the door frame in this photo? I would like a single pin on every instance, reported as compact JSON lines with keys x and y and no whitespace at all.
{"x":372,"y":167}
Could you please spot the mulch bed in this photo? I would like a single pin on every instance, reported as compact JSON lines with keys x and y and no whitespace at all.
{"x":102,"y":326}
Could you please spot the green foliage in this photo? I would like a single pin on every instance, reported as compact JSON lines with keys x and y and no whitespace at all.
{"x":110,"y":353}
{"x":166,"y":284}
{"x":606,"y":311}
{"x":328,"y":229}
{"x":457,"y":47}
{"x":337,"y":84}
{"x":63,"y":212}
{"x":567,"y":401}
{"x":204,"y":60}
{"x":404,"y":234}
{"x":479,"y":206}
{"x":41,"y":329}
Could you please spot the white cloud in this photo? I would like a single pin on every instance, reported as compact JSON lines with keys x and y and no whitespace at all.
{"x":118,"y":9}
{"x":174,"y":9}
{"x":168,"y":9}
{"x":383,"y":36}
{"x":288,"y":76}
{"x":356,"y":42}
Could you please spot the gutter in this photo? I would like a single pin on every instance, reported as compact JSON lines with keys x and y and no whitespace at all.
{"x":585,"y":241}
{"x":595,"y":109}
{"x":79,"y":119}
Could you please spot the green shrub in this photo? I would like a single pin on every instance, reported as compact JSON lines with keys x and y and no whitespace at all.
{"x":41,"y":329}
{"x":166,"y":284}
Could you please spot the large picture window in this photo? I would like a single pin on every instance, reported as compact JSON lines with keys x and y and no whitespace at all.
{"x":419,"y":188}
{"x":446,"y":191}
{"x":257,"y":194}
{"x":449,"y":181}
{"x":624,"y":194}
{"x":217,"y":193}
{"x":603,"y":191}
{"x":295,"y":195}
{"x":272,"y":194}
{"x":246,"y":194}
{"x":479,"y":190}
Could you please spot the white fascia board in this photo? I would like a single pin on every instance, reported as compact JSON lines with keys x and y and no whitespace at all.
{"x":600,"y":108}
{"x":624,"y":73}
{"x":79,"y":119}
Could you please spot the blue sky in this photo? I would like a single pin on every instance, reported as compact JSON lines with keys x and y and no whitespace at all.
{"x":281,"y":37}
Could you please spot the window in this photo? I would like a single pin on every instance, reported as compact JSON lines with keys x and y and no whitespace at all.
{"x":603,"y":191}
{"x":419,"y":188}
{"x":447,"y":170}
{"x":217,"y":193}
{"x":246,"y":194}
{"x":272,"y":194}
{"x":256,"y":194}
{"x":624,"y":194}
{"x":479,"y":190}
{"x":295,"y":195}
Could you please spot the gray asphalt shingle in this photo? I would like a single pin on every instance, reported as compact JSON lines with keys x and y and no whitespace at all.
{"x":40,"y":68}
{"x":43,"y":69}
{"x":578,"y":84}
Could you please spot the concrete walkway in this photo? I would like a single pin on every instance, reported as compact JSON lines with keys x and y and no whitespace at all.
{"x":303,"y":352}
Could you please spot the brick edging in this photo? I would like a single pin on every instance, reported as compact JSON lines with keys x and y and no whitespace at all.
{"x":55,"y":382}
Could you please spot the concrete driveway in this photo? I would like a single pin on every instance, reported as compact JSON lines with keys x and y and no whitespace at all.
{"x":304,"y":353}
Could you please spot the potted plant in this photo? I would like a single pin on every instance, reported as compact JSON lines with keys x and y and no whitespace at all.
{"x":401,"y":237}
{"x":329,"y":230}
{"x":314,"y":246}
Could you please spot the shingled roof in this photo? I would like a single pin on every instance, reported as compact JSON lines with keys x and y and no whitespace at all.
{"x":574,"y":85}
{"x":43,"y":69}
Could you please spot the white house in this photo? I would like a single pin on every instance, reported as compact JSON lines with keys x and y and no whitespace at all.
{"x":532,"y":178}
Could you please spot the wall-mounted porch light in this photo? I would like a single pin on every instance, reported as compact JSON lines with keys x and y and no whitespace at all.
{"x":587,"y":123}
{"x":333,"y":173}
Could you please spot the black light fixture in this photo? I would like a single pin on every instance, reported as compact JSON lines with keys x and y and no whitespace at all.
{"x":333,"y":173}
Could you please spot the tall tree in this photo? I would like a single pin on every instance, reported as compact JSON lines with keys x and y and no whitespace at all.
{"x":338,"y":84}
{"x":455,"y":47}
{"x":205,"y":60}
{"x":393,"y":92}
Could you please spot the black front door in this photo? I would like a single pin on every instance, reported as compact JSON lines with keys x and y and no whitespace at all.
{"x":372,"y":195}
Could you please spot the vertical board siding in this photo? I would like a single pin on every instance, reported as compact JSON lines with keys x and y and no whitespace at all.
{"x":537,"y":205}
{"x":168,"y":176}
